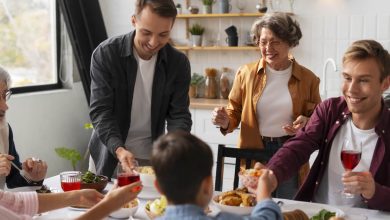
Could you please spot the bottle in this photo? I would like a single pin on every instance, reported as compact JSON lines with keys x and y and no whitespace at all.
{"x":224,"y":84}
{"x":210,"y":91}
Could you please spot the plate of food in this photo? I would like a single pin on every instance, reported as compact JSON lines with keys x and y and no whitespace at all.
{"x":156,"y":208}
{"x":250,"y":178}
{"x":314,"y":211}
{"x":147,"y":176}
{"x":237,"y":201}
{"x":126,"y":211}
{"x":90,"y":180}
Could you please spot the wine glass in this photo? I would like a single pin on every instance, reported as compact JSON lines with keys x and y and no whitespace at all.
{"x":240,"y":4}
{"x":128,"y":176}
{"x":350,"y":157}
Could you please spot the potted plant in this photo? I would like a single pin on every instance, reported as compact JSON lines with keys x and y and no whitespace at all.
{"x":72,"y":154}
{"x":196,"y":31}
{"x":208,"y":6}
{"x":196,"y":79}
{"x":178,"y":8}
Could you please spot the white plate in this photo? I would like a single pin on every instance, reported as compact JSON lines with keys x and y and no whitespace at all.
{"x":149,"y":193}
{"x":312,"y":209}
{"x":24,"y":189}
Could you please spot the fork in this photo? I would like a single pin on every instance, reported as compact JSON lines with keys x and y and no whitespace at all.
{"x":22,"y":173}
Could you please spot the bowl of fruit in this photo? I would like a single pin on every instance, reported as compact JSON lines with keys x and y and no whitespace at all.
{"x":156,"y":208}
{"x":90,"y":180}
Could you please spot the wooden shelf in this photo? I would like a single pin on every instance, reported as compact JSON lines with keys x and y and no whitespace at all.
{"x":220,"y":15}
{"x":215,"y":48}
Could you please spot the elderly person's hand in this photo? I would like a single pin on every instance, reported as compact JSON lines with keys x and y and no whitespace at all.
{"x":299,"y":123}
{"x":5,"y":164}
{"x":220,"y":117}
{"x":359,"y":183}
{"x":35,"y":169}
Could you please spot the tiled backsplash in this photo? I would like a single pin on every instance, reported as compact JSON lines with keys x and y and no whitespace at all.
{"x":328,"y":27}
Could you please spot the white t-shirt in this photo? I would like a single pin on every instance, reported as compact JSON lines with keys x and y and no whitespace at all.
{"x":274,"y":108}
{"x":139,"y":138}
{"x":331,"y":186}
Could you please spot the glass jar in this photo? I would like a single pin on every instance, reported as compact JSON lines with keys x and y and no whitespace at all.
{"x":211,"y":86}
{"x":224,"y":84}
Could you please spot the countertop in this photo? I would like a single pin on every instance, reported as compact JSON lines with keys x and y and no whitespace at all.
{"x":202,"y":103}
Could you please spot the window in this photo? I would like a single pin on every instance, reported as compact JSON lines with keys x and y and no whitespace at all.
{"x":28,"y":43}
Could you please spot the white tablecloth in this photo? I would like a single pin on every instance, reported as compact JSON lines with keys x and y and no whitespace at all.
{"x":68,"y":213}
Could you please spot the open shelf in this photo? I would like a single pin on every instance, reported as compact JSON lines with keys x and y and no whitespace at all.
{"x":217,"y":48}
{"x":220,"y":15}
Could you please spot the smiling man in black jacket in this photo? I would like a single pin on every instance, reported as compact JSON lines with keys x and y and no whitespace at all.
{"x":139,"y":86}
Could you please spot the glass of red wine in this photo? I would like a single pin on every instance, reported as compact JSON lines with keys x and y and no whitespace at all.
{"x":129,"y":175}
{"x":350,"y":157}
{"x":70,"y":180}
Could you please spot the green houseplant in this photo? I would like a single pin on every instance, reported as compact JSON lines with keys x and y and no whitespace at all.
{"x":196,"y":31}
{"x":72,"y":154}
{"x":196,"y":79}
{"x":208,"y":6}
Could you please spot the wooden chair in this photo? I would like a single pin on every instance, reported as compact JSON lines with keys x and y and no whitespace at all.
{"x":238,"y":153}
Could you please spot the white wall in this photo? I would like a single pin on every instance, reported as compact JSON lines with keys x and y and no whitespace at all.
{"x":46,"y":120}
{"x":328,"y":27}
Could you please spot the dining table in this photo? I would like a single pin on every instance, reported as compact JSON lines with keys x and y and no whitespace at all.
{"x":351,"y":213}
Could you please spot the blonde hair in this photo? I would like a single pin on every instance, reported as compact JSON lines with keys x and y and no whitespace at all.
{"x":365,"y":49}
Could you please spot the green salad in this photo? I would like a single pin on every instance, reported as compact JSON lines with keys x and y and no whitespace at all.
{"x":323,"y":215}
{"x":89,"y":177}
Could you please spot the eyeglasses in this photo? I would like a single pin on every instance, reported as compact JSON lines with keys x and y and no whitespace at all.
{"x":6,"y":95}
{"x":272,"y":44}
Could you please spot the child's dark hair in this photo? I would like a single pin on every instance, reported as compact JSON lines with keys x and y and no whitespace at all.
{"x":181,"y":162}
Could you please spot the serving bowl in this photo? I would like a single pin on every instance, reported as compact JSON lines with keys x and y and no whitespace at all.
{"x":147,"y":176}
{"x":125,"y":213}
{"x":238,"y":210}
{"x":99,"y":186}
{"x":250,"y":179}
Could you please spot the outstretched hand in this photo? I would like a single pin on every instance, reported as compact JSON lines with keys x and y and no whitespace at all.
{"x":299,"y":123}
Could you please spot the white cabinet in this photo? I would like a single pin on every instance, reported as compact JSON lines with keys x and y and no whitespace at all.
{"x":204,"y":129}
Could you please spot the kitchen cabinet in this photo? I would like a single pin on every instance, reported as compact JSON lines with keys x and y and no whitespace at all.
{"x":202,"y":127}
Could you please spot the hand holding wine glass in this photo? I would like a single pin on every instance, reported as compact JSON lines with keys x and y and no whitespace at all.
{"x":127,"y":175}
{"x":350,"y":157}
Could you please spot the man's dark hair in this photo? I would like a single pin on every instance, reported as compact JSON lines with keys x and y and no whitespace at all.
{"x":181,"y":162}
{"x":164,"y":8}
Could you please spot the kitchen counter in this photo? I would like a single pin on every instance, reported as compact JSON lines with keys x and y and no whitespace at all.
{"x":201,"y":103}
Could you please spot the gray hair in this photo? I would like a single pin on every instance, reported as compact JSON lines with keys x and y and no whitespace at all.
{"x":5,"y":77}
{"x":281,"y":24}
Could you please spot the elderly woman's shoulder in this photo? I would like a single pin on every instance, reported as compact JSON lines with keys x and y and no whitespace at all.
{"x":248,"y":68}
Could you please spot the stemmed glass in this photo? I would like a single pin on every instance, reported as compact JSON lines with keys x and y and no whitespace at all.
{"x":350,"y":158}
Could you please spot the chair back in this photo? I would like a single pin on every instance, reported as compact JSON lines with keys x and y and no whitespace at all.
{"x":238,"y":154}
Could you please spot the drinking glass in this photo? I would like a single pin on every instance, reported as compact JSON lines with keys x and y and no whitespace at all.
{"x":70,"y":180}
{"x":350,"y":158}
{"x":128,"y":176}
